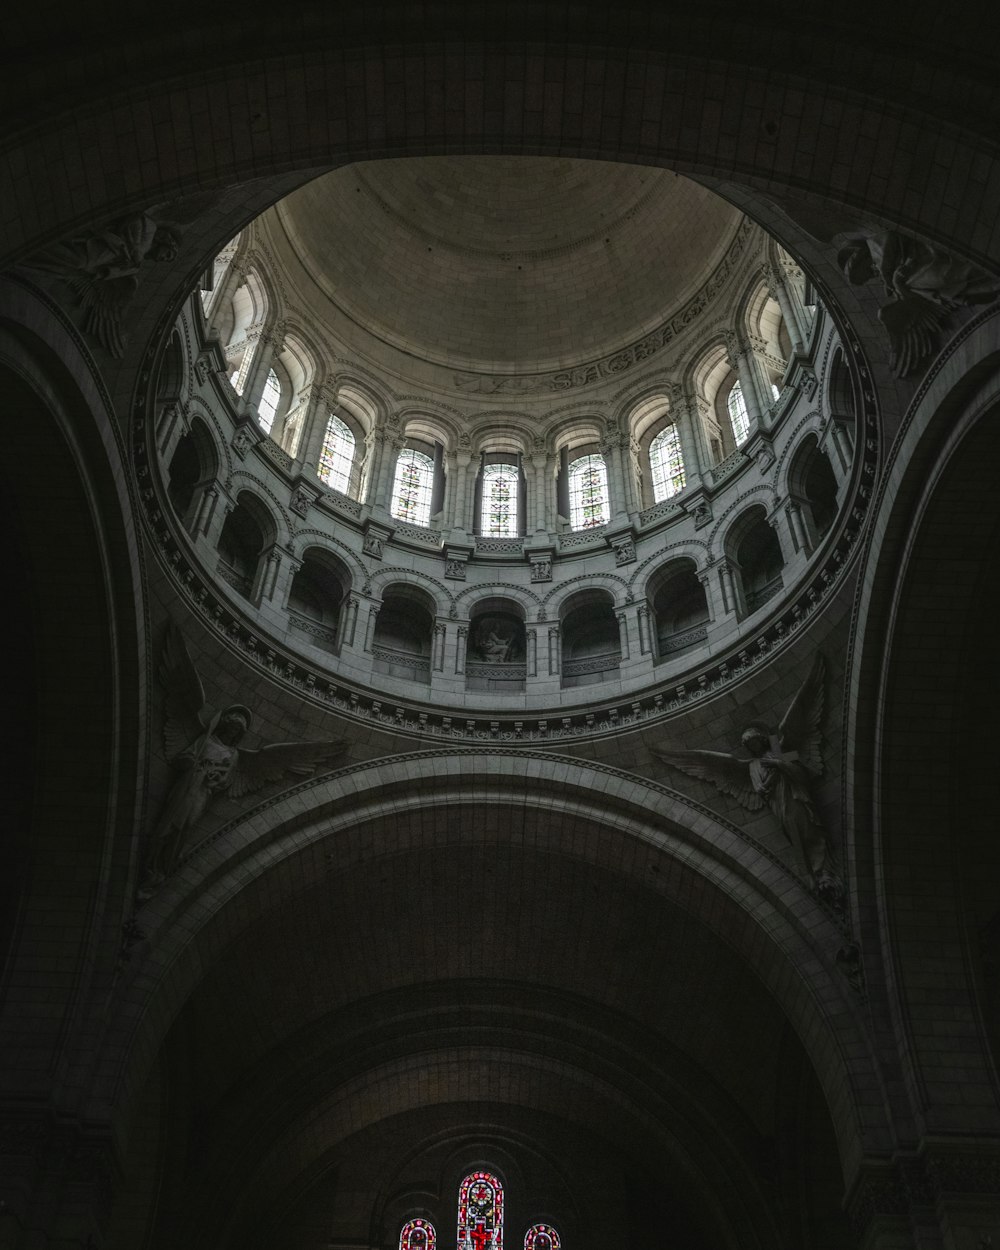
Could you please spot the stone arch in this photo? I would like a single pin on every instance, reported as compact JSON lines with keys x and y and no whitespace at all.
{"x":774,"y":933}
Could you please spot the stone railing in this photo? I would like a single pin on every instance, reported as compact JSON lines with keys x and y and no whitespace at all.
{"x":497,"y":672}
{"x":681,"y":641}
{"x":579,"y":537}
{"x":592,"y":664}
{"x":417,"y":534}
{"x":417,"y":664}
{"x":308,"y":626}
{"x":234,"y":578}
{"x":498,"y":546}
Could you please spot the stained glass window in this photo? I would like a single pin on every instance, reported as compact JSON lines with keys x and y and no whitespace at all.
{"x":738,"y":416}
{"x":588,"y":493}
{"x":412,"y":488}
{"x":417,"y":1235}
{"x":268,"y":405}
{"x":499,"y":517}
{"x":336,"y":459}
{"x":541,"y":1237}
{"x":480,"y":1212}
{"x":666,"y":464}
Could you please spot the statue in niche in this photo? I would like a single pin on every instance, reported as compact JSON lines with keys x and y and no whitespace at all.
{"x":499,"y":639}
{"x":780,"y":774}
{"x":924,"y":284}
{"x":203,"y":744}
{"x":102,"y":270}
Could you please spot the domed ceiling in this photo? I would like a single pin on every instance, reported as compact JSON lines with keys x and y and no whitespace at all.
{"x":516,"y":263}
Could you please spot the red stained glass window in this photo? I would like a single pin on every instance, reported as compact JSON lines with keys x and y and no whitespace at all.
{"x":480,"y":1212}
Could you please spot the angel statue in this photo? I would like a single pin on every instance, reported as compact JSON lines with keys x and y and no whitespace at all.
{"x":783,"y":767}
{"x":203,"y":745}
{"x":924,"y":284}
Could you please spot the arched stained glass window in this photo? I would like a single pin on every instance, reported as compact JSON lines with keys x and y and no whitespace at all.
{"x":268,"y":405}
{"x":542,"y":1237}
{"x":500,"y":485}
{"x":588,"y":493}
{"x":417,"y":1235}
{"x":413,"y":487}
{"x":666,"y":464}
{"x":480,"y":1212}
{"x":336,"y":458}
{"x":738,"y":416}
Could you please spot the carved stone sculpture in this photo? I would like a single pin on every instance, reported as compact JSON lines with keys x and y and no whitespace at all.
{"x":203,"y":745}
{"x":102,"y":270}
{"x":784,"y":765}
{"x":924,"y":284}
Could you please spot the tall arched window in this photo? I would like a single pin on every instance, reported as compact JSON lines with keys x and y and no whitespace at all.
{"x":268,"y":405}
{"x":500,"y":504}
{"x":336,"y":458}
{"x":542,"y":1237}
{"x":480,"y":1212}
{"x":413,"y":487}
{"x":417,"y":1235}
{"x":738,"y":416}
{"x":588,"y":493}
{"x":666,"y":464}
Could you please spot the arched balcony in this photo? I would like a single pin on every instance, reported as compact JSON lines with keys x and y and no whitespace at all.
{"x":496,"y":659}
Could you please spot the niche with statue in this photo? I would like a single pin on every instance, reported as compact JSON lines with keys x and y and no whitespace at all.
{"x":495,"y":657}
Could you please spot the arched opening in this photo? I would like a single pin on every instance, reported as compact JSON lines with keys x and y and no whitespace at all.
{"x":193,"y":468}
{"x":245,"y":535}
{"x":812,"y":488}
{"x":404,"y":633}
{"x":315,"y":598}
{"x":496,"y":660}
{"x":680,"y":609}
{"x":754,"y":548}
{"x":591,"y":645}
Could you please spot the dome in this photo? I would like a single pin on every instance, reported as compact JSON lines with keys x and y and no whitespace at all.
{"x":516,"y":263}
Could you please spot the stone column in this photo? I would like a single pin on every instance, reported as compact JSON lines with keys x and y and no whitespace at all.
{"x":778,"y":290}
{"x":314,"y":422}
{"x":801,"y":537}
{"x":555,"y":651}
{"x":780,"y":525}
{"x":539,"y":506}
{"x":370,"y":625}
{"x":268,"y":348}
{"x":461,"y":651}
{"x":531,"y":653}
{"x":642,"y":614}
{"x":459,"y":492}
{"x":740,"y":357}
{"x":438,"y":644}
{"x":695,"y":455}
{"x":622,"y":618}
{"x":611,"y":450}
{"x":730,"y":589}
{"x":347,"y":622}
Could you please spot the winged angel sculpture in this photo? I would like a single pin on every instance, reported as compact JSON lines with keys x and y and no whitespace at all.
{"x":923,"y":283}
{"x":779,"y":775}
{"x":202,"y":743}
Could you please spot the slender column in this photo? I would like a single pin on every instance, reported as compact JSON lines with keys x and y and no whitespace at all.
{"x":843,"y":452}
{"x":531,"y":652}
{"x":713,"y":595}
{"x":695,"y":458}
{"x":740,"y":357}
{"x":642,"y":619}
{"x":611,"y":449}
{"x":370,"y":626}
{"x":460,"y":490}
{"x":207,"y":504}
{"x":555,"y":651}
{"x":538,"y":500}
{"x":438,"y":646}
{"x":783,"y":532}
{"x":797,"y":524}
{"x":461,"y":650}
{"x":622,"y":618}
{"x":314,"y":422}
{"x":778,"y":290}
{"x":232,"y":280}
{"x":732,"y":601}
{"x":347,"y":622}
{"x":268,"y":348}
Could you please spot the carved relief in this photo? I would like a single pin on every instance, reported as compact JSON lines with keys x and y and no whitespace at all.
{"x":780,"y":774}
{"x":924,"y":284}
{"x":202,"y":743}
